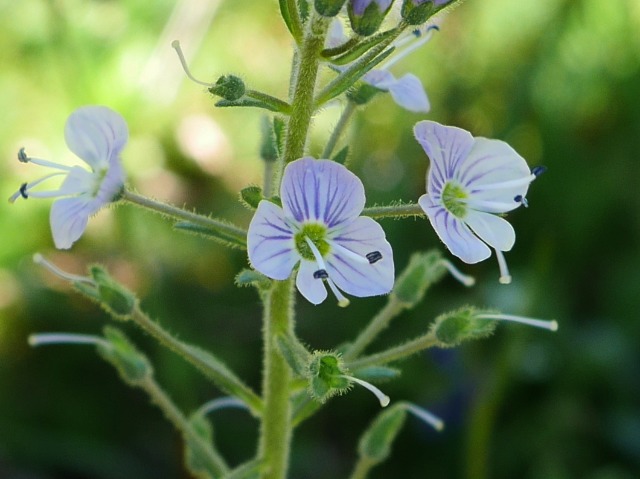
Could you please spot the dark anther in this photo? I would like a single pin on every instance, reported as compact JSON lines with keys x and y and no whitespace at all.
{"x":374,"y":256}
{"x":23,"y":191}
{"x":22,"y":156}
{"x":321,"y":274}
{"x":538,"y":170}
{"x":521,"y":199}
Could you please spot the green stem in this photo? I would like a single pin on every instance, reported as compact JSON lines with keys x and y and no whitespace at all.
{"x":183,"y":215}
{"x":363,"y":466}
{"x":202,"y":360}
{"x":276,"y":430}
{"x":276,"y":103}
{"x":394,"y":354}
{"x":171,"y":411}
{"x":394,"y":211}
{"x":304,"y":85}
{"x":377,"y":324}
{"x":339,"y":129}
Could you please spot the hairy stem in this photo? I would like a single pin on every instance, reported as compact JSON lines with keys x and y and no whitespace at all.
{"x":396,"y":353}
{"x":394,"y":211}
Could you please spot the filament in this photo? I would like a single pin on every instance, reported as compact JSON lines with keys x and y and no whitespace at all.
{"x":505,"y":277}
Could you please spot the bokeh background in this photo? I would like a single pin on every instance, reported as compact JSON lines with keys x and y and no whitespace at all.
{"x":558,"y":79}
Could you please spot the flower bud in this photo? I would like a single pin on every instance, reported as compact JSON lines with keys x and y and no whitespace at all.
{"x":417,"y":12}
{"x":114,"y":297}
{"x":454,"y":327}
{"x":375,"y":443}
{"x":367,"y":15}
{"x":328,"y":8}
{"x":229,"y":87}
{"x":133,"y":366}
{"x":326,"y":376}
{"x":424,"y":269}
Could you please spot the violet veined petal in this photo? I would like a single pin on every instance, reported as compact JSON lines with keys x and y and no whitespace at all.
{"x":68,"y":219}
{"x":492,"y":163}
{"x":360,"y":278}
{"x":446,"y":146}
{"x":313,"y":289}
{"x":270,"y":242}
{"x":409,"y":93}
{"x":492,"y":229}
{"x":95,"y":134}
{"x":456,"y":235}
{"x":382,"y":79}
{"x":321,"y":190}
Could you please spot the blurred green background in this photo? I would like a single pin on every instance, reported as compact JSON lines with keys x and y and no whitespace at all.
{"x":558,"y":79}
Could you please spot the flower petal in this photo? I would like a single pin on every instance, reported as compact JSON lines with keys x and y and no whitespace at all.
{"x":382,"y":79}
{"x":78,"y":181}
{"x":447,"y":147}
{"x":492,"y":229}
{"x":270,"y":242}
{"x":322,"y":191}
{"x":456,"y":235}
{"x":336,"y":35}
{"x":68,"y":219}
{"x":489,"y":164}
{"x":362,"y":236}
{"x":95,"y":134}
{"x":313,"y":289}
{"x":409,"y":93}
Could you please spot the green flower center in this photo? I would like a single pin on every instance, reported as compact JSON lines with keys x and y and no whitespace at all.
{"x":453,"y":196}
{"x":317,"y":233}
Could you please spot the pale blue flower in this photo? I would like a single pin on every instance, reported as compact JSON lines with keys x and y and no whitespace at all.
{"x":470,"y":183}
{"x":96,"y":134}
{"x":319,"y":228}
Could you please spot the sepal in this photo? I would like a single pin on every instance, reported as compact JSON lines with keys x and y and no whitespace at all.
{"x":369,"y":21}
{"x":326,"y":376}
{"x":417,"y":12}
{"x":250,"y":277}
{"x":375,"y":443}
{"x":229,"y":87}
{"x":251,"y":196}
{"x":133,"y":366}
{"x":111,"y":295}
{"x":451,"y":329}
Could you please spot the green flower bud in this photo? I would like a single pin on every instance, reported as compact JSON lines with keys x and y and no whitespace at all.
{"x":375,"y":443}
{"x":133,"y":366}
{"x":454,"y":327}
{"x":366,"y":15}
{"x":229,"y":87}
{"x":328,"y":8}
{"x":326,"y":376}
{"x":424,"y":269}
{"x":114,"y":297}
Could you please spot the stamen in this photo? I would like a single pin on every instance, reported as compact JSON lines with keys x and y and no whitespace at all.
{"x":537,"y":323}
{"x":421,"y":413}
{"x":41,"y":261}
{"x":66,"y":338}
{"x":538,"y":170}
{"x":23,"y":191}
{"x":176,"y":46}
{"x":221,"y":403}
{"x":457,"y":274}
{"x":505,"y":277}
{"x":22,"y":156}
{"x":26,"y":187}
{"x":316,"y":253}
{"x":349,"y":254}
{"x":418,"y":41}
{"x":374,"y":256}
{"x":506,"y":184}
{"x":522,"y":200}
{"x":485,"y":204}
{"x":321,"y":274}
{"x":382,"y":397}
{"x":342,"y":301}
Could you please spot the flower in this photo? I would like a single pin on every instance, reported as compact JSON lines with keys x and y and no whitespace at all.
{"x":470,"y":182}
{"x":96,"y":134}
{"x":318,"y":227}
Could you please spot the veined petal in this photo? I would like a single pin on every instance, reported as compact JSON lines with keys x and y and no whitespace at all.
{"x":95,"y":134}
{"x":456,"y":235}
{"x":68,"y":219}
{"x":409,"y":93}
{"x":492,"y":229}
{"x":382,"y":79}
{"x":322,"y":191}
{"x":360,"y":278}
{"x":270,"y":242}
{"x":313,"y":289}
{"x":489,"y":164}
{"x":446,"y":146}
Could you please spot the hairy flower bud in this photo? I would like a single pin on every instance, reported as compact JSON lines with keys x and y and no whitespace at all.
{"x":367,"y":15}
{"x":113,"y":296}
{"x":454,"y":327}
{"x":132,"y":365}
{"x":326,"y":376}
{"x":229,"y":87}
{"x":416,"y":12}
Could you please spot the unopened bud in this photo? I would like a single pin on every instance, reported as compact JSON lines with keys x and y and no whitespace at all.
{"x":133,"y":366}
{"x":366,"y":15}
{"x":455,"y":327}
{"x":229,"y":87}
{"x":114,"y":297}
{"x":417,"y":12}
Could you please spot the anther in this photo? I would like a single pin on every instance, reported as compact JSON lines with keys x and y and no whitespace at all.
{"x":321,"y":274}
{"x":374,"y":256}
{"x":23,"y":191}
{"x":538,"y":170}
{"x":22,"y":156}
{"x":521,"y":199}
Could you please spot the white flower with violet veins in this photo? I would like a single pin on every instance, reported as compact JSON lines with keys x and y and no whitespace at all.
{"x":470,"y":183}
{"x":319,"y":227}
{"x":97,"y":135}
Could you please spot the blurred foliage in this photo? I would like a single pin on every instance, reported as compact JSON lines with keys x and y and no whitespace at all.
{"x":558,"y":79}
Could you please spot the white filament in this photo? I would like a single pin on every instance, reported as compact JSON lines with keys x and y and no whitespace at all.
{"x":505,"y":277}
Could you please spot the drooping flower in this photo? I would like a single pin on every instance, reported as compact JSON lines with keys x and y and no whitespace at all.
{"x":319,"y":228}
{"x":96,"y":134}
{"x":407,"y":91}
{"x":470,"y":183}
